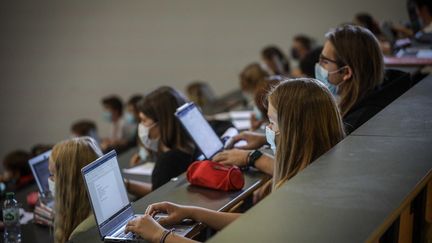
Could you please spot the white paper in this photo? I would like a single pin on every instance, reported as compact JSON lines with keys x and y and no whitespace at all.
{"x":221,"y":116}
{"x":25,"y":217}
{"x":424,"y":54}
{"x":238,"y":115}
{"x":144,"y":169}
{"x":242,"y":124}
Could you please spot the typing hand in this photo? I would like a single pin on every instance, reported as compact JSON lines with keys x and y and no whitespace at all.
{"x":236,"y":157}
{"x":254,"y":140}
{"x":146,"y":227}
{"x":176,"y":213}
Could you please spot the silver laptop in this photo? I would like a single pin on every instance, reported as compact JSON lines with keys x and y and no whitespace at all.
{"x":39,"y":168}
{"x":109,"y":200}
{"x":199,"y":129}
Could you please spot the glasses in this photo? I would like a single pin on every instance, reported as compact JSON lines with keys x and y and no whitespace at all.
{"x":323,"y":59}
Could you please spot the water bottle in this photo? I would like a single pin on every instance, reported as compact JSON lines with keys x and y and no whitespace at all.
{"x":12,"y":230}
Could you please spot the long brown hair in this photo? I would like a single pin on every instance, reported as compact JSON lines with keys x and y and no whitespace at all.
{"x":309,"y":125}
{"x":72,"y":205}
{"x":160,"y":106}
{"x":359,"y":49}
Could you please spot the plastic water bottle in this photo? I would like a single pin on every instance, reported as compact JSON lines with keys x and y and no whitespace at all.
{"x":11,"y":217}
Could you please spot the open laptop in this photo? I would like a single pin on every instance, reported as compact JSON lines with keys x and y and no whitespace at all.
{"x":39,"y":168}
{"x":199,"y":129}
{"x":110,"y":202}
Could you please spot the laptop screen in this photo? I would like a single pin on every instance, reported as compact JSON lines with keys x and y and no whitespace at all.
{"x":199,"y":129}
{"x":39,"y":167}
{"x":105,"y":187}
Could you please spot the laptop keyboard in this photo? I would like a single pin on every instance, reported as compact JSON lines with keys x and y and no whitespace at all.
{"x":129,"y":235}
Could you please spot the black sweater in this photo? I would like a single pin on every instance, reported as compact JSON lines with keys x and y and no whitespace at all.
{"x":168,"y":165}
{"x":395,"y":84}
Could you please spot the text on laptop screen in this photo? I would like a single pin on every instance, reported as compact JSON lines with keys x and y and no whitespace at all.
{"x":200,"y":131}
{"x":106,"y":189}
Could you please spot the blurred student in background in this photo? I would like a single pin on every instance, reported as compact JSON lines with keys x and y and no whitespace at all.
{"x":301,"y":46}
{"x":120,"y":132}
{"x":200,"y":93}
{"x":275,"y":62}
{"x":367,"y":21}
{"x":424,"y":13}
{"x":84,"y":128}
{"x":250,"y":77}
{"x":16,"y":170}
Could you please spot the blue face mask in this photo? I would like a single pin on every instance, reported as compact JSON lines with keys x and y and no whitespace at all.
{"x":271,"y":137}
{"x":257,"y":113}
{"x":107,"y":116}
{"x":322,"y":75}
{"x":130,"y":119}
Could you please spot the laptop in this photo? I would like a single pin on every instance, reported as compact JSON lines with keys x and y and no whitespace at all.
{"x":39,"y":168}
{"x":199,"y":129}
{"x":110,"y":202}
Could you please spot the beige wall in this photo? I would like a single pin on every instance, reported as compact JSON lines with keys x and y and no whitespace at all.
{"x":59,"y":58}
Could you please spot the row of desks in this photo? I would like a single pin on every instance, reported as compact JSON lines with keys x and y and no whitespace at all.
{"x":355,"y":191}
{"x":177,"y":190}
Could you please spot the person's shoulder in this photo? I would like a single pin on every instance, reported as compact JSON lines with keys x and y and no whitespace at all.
{"x":85,"y":225}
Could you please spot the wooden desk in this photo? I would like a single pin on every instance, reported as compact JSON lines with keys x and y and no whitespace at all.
{"x":179,"y":191}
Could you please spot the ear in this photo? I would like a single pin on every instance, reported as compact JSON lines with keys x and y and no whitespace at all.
{"x":347,"y":73}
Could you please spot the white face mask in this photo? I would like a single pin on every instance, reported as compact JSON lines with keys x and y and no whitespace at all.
{"x":271,"y":137}
{"x":143,"y":133}
{"x":142,"y":153}
{"x":51,"y":186}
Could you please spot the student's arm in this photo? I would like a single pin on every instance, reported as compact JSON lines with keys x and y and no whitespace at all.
{"x":137,"y":188}
{"x":254,"y":140}
{"x":176,"y":213}
{"x":150,"y":230}
{"x":240,"y":158}
{"x":213,"y":219}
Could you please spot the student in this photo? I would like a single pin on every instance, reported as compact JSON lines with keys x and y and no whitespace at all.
{"x":84,"y":128}
{"x":301,"y":46}
{"x":17,"y":172}
{"x":132,"y":113}
{"x":250,"y":77}
{"x":307,"y":64}
{"x":73,"y":213}
{"x":161,"y":133}
{"x":200,"y":93}
{"x":351,"y":65}
{"x":120,"y":132}
{"x":424,"y":12}
{"x":275,"y":62}
{"x":367,"y":21}
{"x":259,"y":117}
{"x":291,"y":103}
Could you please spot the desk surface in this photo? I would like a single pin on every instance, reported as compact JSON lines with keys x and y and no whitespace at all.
{"x":407,"y":61}
{"x":408,"y":116}
{"x":179,"y":191}
{"x":344,"y":196}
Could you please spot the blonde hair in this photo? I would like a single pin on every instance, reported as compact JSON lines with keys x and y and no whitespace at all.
{"x":359,"y":49}
{"x":72,"y":205}
{"x":251,"y":76}
{"x":309,"y":125}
